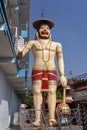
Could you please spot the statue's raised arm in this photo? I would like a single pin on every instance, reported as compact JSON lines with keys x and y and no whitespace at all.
{"x":23,"y":48}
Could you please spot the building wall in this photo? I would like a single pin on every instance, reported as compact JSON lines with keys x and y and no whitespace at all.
{"x":9,"y":103}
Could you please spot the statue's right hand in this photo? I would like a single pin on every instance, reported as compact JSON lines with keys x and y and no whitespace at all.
{"x":20,"y":45}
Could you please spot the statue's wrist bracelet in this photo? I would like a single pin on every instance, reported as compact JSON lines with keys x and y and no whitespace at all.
{"x":61,"y":74}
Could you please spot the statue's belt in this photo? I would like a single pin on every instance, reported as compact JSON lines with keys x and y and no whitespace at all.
{"x":45,"y":76}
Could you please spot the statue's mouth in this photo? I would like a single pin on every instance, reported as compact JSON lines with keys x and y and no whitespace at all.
{"x":44,"y":32}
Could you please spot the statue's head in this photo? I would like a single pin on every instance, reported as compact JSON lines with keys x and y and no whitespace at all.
{"x":43,"y":27}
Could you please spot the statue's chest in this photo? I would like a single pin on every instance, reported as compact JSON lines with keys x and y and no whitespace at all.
{"x":40,"y":47}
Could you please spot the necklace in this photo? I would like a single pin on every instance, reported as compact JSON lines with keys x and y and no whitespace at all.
{"x":43,"y":49}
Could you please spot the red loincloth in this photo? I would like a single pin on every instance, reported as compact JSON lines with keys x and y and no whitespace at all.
{"x":44,"y":76}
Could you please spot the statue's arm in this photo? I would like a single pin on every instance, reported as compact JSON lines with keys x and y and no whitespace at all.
{"x":26,"y":50}
{"x":59,"y":53}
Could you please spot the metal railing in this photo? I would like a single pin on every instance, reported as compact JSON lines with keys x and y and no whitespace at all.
{"x":65,"y":121}
{"x":27,"y":116}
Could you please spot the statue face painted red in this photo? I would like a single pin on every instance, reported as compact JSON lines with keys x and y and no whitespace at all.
{"x":44,"y":31}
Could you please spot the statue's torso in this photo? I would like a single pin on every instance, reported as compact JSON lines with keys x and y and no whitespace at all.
{"x":44,"y":54}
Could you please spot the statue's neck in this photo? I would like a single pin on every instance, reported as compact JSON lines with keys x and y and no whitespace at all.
{"x":43,"y":38}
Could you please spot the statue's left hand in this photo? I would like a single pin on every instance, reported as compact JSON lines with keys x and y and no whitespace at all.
{"x":63,"y":81}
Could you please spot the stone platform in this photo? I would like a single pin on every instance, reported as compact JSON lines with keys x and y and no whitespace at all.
{"x":30,"y":127}
{"x":73,"y":127}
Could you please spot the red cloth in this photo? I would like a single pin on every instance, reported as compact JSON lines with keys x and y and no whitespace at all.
{"x":45,"y":84}
{"x":44,"y":76}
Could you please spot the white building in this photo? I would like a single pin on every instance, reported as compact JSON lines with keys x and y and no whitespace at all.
{"x":14,"y":22}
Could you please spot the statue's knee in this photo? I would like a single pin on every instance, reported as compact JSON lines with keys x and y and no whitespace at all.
{"x":37,"y":91}
{"x":52,"y":91}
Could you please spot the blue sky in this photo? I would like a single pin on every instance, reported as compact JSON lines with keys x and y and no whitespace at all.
{"x":70,"y":18}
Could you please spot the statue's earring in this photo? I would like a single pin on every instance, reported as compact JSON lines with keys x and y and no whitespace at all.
{"x":36,"y":36}
{"x":50,"y":37}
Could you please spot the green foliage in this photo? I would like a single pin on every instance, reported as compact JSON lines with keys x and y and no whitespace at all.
{"x":28,"y":99}
{"x":58,"y":94}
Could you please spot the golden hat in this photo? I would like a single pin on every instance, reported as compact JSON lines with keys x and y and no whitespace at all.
{"x":38,"y":23}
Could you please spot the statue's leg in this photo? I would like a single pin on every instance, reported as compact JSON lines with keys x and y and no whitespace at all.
{"x":52,"y":105}
{"x":37,"y":95}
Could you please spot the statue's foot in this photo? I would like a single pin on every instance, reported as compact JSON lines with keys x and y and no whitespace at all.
{"x":53,"y":123}
{"x":36,"y":123}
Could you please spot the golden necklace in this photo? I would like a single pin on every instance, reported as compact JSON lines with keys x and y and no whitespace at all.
{"x":43,"y":49}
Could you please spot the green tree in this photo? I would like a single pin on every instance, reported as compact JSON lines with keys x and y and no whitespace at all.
{"x":29,"y":100}
{"x":59,"y":94}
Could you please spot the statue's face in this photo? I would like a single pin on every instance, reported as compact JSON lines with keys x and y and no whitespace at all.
{"x":44,"y":31}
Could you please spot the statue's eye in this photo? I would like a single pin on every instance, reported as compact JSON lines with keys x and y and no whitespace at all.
{"x":42,"y":27}
{"x":47,"y":28}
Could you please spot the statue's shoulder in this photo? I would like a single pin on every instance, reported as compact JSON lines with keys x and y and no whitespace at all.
{"x":58,"y":44}
{"x":31,"y":41}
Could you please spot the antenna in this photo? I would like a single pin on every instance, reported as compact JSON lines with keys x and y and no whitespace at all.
{"x":42,"y":14}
